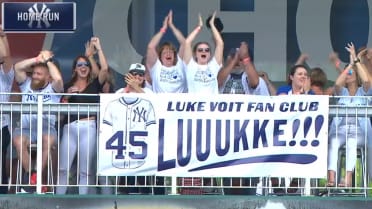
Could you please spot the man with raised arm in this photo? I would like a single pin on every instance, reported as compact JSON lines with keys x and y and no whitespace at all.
{"x":38,"y":75}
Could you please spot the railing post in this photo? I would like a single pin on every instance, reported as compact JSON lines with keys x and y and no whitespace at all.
{"x":39,"y":143}
{"x":307,"y":186}
{"x":174,"y":185}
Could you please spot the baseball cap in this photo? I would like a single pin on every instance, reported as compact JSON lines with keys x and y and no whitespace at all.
{"x":137,"y":67}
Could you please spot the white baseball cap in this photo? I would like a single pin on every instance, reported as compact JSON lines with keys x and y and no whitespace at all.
{"x":138,"y":67}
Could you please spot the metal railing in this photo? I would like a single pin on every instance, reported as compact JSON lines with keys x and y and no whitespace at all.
{"x":158,"y":184}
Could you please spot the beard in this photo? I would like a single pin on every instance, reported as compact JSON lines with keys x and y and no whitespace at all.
{"x":37,"y":84}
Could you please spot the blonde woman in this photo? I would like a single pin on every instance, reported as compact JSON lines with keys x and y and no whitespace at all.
{"x":353,"y":84}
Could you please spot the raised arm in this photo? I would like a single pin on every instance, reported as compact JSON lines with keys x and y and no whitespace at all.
{"x":364,"y":57}
{"x":218,"y":53}
{"x":21,"y":67}
{"x":177,"y":33}
{"x":187,"y":56}
{"x":249,"y":67}
{"x":55,"y":74}
{"x":151,"y":54}
{"x":335,"y":60}
{"x":359,"y":67}
{"x":302,"y":59}
{"x":269,"y":84}
{"x":341,"y":79}
{"x":231,"y":61}
{"x":103,"y":71}
{"x":90,"y":51}
{"x":5,"y":52}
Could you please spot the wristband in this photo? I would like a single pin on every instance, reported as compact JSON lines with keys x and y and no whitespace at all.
{"x":356,"y":61}
{"x":246,"y":60}
{"x":337,"y":64}
{"x":348,"y":71}
{"x":163,"y":30}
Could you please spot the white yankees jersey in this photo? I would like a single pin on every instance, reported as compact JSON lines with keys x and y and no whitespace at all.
{"x":129,"y":118}
{"x":30,"y":96}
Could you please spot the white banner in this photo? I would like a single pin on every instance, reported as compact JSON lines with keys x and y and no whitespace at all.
{"x":224,"y":135}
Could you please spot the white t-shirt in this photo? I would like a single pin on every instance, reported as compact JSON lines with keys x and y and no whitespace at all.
{"x":6,"y":80}
{"x":168,"y":79}
{"x":30,"y":96}
{"x":202,"y":78}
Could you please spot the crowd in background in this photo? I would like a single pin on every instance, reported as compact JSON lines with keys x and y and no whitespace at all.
{"x":192,"y":68}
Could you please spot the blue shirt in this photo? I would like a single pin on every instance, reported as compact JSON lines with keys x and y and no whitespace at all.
{"x":287,"y":89}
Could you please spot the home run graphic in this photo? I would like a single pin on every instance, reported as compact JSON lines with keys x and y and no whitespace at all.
{"x":129,"y":119}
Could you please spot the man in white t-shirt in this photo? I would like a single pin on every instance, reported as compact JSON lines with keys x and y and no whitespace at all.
{"x":45,"y":80}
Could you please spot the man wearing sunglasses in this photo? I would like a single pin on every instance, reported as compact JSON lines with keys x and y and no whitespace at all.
{"x":45,"y":79}
{"x":135,"y":80}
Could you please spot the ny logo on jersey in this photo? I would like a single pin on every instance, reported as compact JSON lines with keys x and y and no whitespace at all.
{"x":33,"y":98}
{"x":43,"y":15}
{"x":139,"y":114}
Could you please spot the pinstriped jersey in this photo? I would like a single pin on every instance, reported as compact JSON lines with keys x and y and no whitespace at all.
{"x":129,"y":119}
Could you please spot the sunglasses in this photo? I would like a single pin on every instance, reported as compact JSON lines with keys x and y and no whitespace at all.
{"x":82,"y":64}
{"x":203,"y":49}
{"x":137,"y":73}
